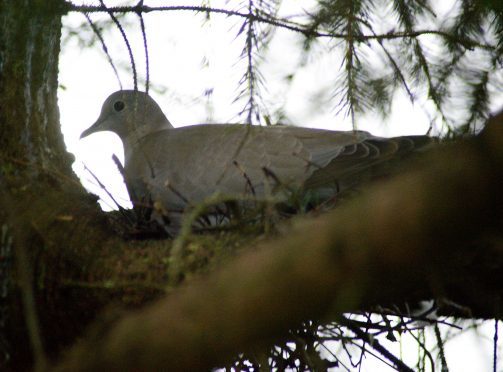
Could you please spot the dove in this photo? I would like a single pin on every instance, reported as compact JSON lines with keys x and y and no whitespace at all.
{"x":170,"y":169}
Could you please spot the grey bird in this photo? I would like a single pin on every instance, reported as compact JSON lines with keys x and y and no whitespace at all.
{"x":173,"y":168}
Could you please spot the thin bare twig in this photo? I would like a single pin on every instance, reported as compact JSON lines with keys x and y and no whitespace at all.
{"x":102,"y":186}
{"x":145,"y":47}
{"x":495,"y":346}
{"x":104,"y":47}
{"x":124,"y":36}
{"x":401,"y":366}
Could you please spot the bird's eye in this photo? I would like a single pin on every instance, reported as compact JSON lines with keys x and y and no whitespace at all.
{"x":119,"y":106}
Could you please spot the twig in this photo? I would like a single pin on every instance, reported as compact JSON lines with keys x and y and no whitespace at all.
{"x":122,"y":211}
{"x":124,"y":36}
{"x":245,"y":175}
{"x":401,"y":366}
{"x":441,"y":350}
{"x":145,"y":46}
{"x":495,"y":346}
{"x":104,"y":47}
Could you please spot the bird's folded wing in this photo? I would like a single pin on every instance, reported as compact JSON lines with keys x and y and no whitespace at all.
{"x":364,"y":160}
{"x":188,"y":164}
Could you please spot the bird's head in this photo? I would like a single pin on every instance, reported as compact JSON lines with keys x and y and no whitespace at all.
{"x":126,"y":112}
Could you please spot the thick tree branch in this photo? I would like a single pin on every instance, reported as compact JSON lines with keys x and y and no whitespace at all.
{"x":413,"y":237}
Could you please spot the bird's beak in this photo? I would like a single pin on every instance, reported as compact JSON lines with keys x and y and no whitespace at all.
{"x":92,"y":129}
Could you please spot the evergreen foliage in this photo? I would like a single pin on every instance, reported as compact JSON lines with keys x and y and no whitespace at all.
{"x":454,"y":59}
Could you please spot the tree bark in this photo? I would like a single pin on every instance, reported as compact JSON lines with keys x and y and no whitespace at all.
{"x":29,"y":51}
{"x":37,"y":185}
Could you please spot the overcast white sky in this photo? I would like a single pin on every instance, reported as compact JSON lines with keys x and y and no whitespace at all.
{"x":189,"y":56}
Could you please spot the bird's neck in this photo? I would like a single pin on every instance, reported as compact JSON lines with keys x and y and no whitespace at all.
{"x":132,"y":140}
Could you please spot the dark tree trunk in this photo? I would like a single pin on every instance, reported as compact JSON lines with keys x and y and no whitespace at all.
{"x":29,"y":116}
{"x":49,"y":258}
{"x":32,"y":155}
